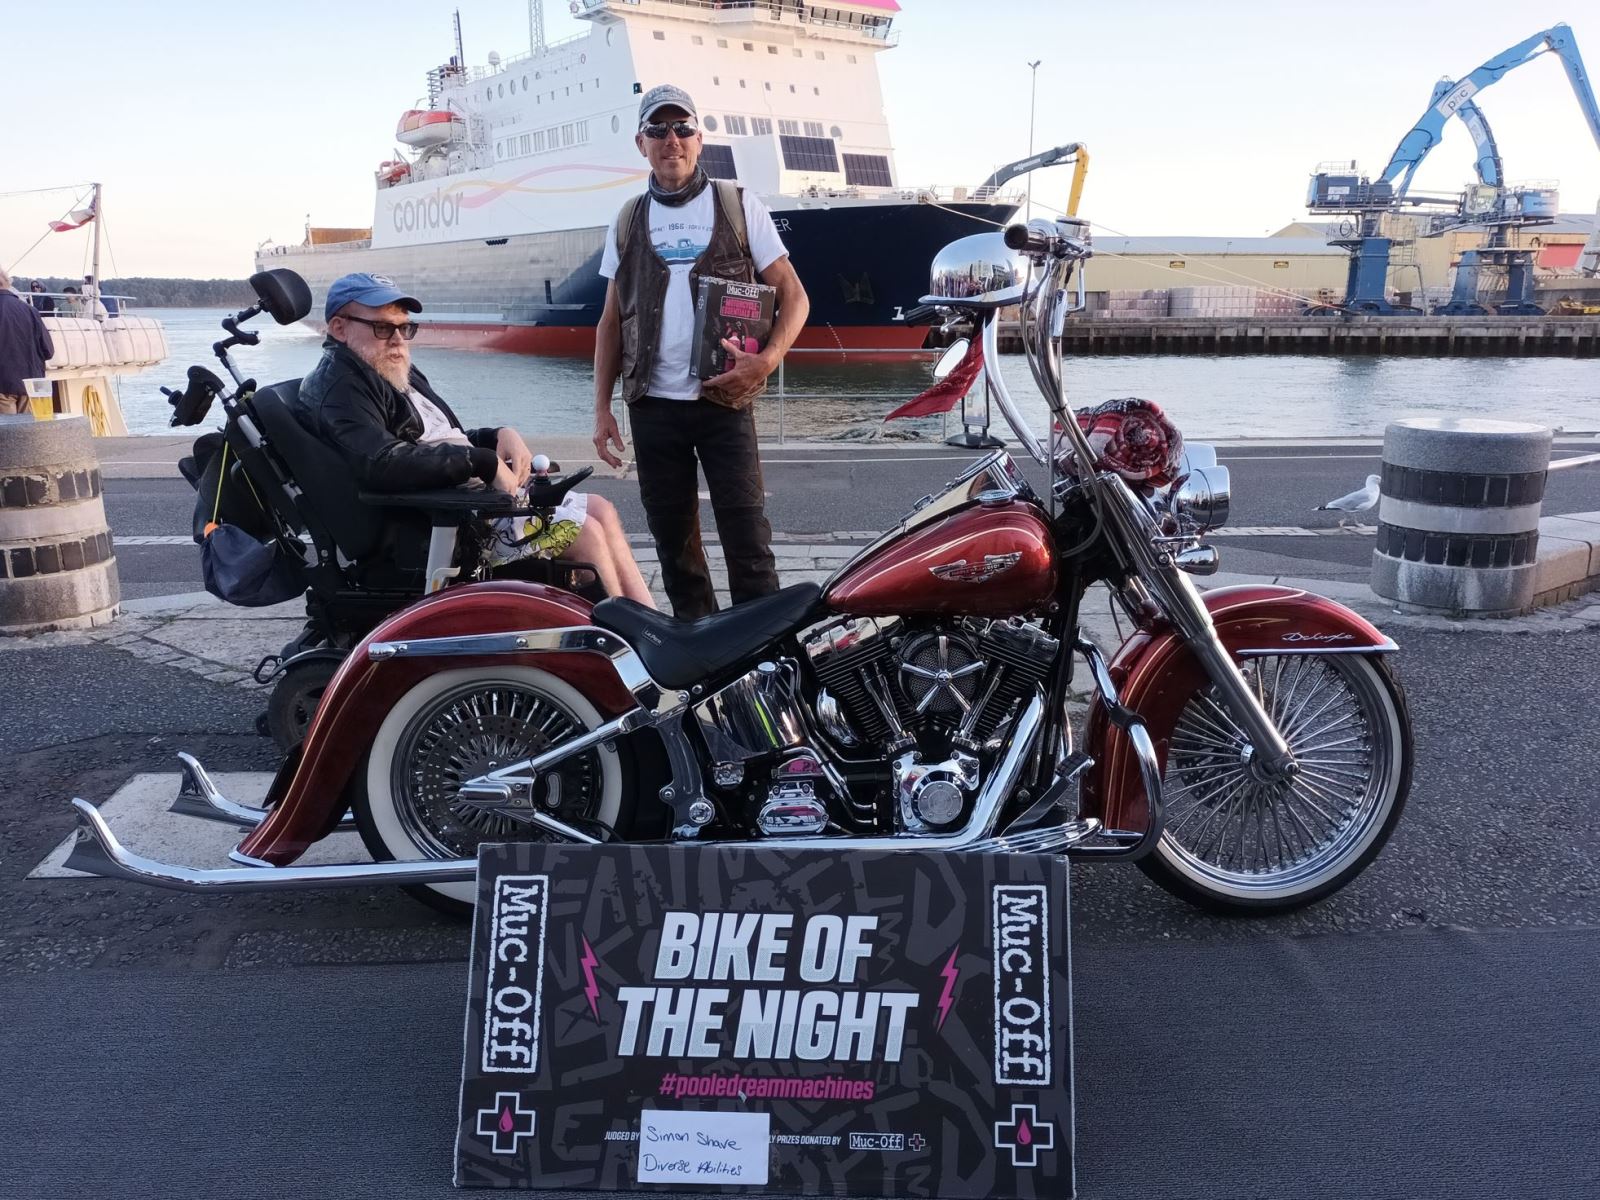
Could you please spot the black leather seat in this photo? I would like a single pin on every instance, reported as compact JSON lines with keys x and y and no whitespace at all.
{"x":680,"y":653}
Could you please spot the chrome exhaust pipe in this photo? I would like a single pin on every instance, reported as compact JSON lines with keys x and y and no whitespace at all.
{"x":96,"y":851}
{"x":199,"y":797}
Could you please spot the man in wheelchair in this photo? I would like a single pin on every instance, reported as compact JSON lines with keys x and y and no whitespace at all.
{"x":367,"y":399}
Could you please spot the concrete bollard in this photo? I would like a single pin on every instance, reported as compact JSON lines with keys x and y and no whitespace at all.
{"x":1458,"y":515}
{"x":57,"y":568}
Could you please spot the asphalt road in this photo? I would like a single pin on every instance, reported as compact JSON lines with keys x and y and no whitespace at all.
{"x":1425,"y":1033}
{"x":1426,"y":1024}
{"x":823,"y":492}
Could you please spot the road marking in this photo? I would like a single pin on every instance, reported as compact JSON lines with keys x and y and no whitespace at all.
{"x":137,"y":813}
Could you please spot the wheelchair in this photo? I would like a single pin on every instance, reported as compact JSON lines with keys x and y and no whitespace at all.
{"x":357,"y":556}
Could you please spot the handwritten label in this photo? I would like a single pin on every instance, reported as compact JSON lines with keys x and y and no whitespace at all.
{"x":703,"y":1147}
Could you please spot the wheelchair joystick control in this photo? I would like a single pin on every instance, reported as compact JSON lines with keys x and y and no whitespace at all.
{"x":541,"y":464}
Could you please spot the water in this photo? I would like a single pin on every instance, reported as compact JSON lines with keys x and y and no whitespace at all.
{"x":1208,"y":396}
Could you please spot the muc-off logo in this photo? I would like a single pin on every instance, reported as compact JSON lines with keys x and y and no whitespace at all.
{"x":437,"y":211}
{"x":1021,"y":986}
{"x":878,"y":1141}
{"x":512,"y":996}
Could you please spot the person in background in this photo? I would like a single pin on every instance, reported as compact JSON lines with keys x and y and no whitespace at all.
{"x":682,"y":229}
{"x":25,"y":346}
{"x":92,"y":307}
{"x":41,"y":303}
{"x":71,"y":301}
{"x":367,"y":400}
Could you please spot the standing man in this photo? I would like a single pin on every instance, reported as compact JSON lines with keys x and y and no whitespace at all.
{"x":24,"y":346}
{"x":656,"y":250}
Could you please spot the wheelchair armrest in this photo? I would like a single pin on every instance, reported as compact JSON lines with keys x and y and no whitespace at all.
{"x":447,"y":506}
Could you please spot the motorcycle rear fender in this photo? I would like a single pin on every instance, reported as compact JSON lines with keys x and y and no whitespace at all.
{"x":307,"y":797}
{"x":1155,"y":673}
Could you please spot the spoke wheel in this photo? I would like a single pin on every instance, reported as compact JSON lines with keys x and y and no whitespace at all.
{"x":456,"y":725}
{"x":1239,"y":840}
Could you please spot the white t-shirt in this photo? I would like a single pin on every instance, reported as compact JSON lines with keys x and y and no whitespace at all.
{"x":680,"y":235}
{"x":436,"y":426}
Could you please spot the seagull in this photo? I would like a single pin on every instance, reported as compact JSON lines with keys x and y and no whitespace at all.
{"x":1356,"y":502}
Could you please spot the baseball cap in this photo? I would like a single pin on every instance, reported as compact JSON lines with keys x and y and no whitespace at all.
{"x":372,"y":290}
{"x":661,"y":96}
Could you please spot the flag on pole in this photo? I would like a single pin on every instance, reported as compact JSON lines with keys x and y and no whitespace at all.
{"x":947,"y":392}
{"x":75,"y":218}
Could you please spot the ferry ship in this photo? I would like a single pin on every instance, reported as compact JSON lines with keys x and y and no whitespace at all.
{"x":496,"y":214}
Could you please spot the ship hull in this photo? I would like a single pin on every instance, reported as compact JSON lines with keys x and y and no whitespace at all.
{"x":862,"y":265}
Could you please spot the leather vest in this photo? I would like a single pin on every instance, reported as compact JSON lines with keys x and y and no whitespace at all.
{"x":642,"y":279}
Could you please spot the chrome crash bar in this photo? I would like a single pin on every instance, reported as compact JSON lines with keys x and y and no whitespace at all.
{"x":1118,"y":843}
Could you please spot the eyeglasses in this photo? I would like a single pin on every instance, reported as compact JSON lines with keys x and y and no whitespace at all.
{"x":385,"y":330}
{"x":656,"y":131}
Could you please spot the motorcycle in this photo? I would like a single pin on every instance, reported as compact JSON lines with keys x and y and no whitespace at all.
{"x":1248,"y":747}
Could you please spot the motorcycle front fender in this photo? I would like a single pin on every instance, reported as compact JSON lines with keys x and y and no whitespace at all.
{"x":307,"y":798}
{"x":1155,"y":674}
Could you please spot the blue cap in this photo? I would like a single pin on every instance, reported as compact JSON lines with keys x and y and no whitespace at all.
{"x":372,"y":290}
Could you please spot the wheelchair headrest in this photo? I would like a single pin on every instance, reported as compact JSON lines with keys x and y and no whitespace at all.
{"x":321,"y":472}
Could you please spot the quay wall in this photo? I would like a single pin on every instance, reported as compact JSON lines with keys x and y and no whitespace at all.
{"x":1576,"y":337}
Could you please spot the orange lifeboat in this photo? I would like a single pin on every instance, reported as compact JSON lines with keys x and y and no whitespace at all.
{"x":423,"y":127}
{"x":393,"y":172}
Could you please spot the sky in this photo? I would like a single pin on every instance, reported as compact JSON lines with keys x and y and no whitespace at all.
{"x":215,"y":127}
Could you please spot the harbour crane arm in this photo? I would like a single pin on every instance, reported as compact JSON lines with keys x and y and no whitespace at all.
{"x":1424,"y":135}
{"x":1487,"y":164}
{"x":1075,"y":152}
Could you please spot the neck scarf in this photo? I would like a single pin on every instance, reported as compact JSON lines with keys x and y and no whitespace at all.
{"x":696,"y":185}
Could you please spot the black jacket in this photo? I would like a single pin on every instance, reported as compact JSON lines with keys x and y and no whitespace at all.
{"x":24,"y":343}
{"x":376,"y":427}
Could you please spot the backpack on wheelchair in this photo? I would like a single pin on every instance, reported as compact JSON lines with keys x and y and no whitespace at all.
{"x":356,"y":556}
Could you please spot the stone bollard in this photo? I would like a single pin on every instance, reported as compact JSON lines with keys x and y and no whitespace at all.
{"x":57,"y":568}
{"x":1458,"y":515}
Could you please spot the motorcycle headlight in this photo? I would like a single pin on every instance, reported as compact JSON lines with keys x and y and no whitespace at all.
{"x":1201,"y":499}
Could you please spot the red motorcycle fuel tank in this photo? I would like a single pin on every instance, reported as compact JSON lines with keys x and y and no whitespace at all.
{"x":987,"y":560}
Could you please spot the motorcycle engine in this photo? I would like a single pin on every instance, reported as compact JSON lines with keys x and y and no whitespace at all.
{"x":927,"y":697}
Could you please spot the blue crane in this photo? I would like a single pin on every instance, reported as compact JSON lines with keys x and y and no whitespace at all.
{"x":1333,"y":190}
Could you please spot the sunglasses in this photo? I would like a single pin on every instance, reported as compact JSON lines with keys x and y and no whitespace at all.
{"x":385,"y":330}
{"x":656,"y":131}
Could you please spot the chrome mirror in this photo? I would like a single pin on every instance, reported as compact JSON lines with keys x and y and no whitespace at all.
{"x":1195,"y":456}
{"x":948,"y":361}
{"x":1201,"y":501}
{"x":978,"y":272}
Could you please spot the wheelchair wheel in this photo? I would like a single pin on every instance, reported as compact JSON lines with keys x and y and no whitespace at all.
{"x":294,"y":700}
{"x":456,"y":725}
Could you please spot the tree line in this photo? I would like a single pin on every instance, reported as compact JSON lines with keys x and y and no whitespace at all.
{"x":149,"y":292}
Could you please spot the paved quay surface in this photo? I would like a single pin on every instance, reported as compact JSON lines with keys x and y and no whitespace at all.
{"x":1425,"y":1033}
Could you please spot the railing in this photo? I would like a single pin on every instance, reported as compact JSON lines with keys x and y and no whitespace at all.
{"x":773,"y":10}
{"x":324,"y":248}
{"x":73,"y":304}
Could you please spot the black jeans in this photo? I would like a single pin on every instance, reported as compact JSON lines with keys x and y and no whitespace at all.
{"x":668,"y":435}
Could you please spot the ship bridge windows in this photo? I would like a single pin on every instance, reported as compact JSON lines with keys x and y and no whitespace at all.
{"x":722,"y":43}
{"x":772,"y":49}
{"x":808,"y":154}
{"x":718,"y":161}
{"x":789,"y":127}
{"x":658,"y":35}
{"x":696,"y":39}
{"x":761,"y":125}
{"x":736,"y":126}
{"x":867,"y":170}
{"x":814,"y":129}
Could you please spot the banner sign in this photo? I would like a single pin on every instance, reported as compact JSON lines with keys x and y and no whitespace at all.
{"x":853,"y":1023}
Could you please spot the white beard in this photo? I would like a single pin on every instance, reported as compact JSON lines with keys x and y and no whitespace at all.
{"x":398,"y":375}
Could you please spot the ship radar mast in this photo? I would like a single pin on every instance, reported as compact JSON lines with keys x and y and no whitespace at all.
{"x":536,"y":26}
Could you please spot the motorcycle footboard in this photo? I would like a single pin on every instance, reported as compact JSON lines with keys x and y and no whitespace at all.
{"x":199,"y":797}
{"x":96,"y":851}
